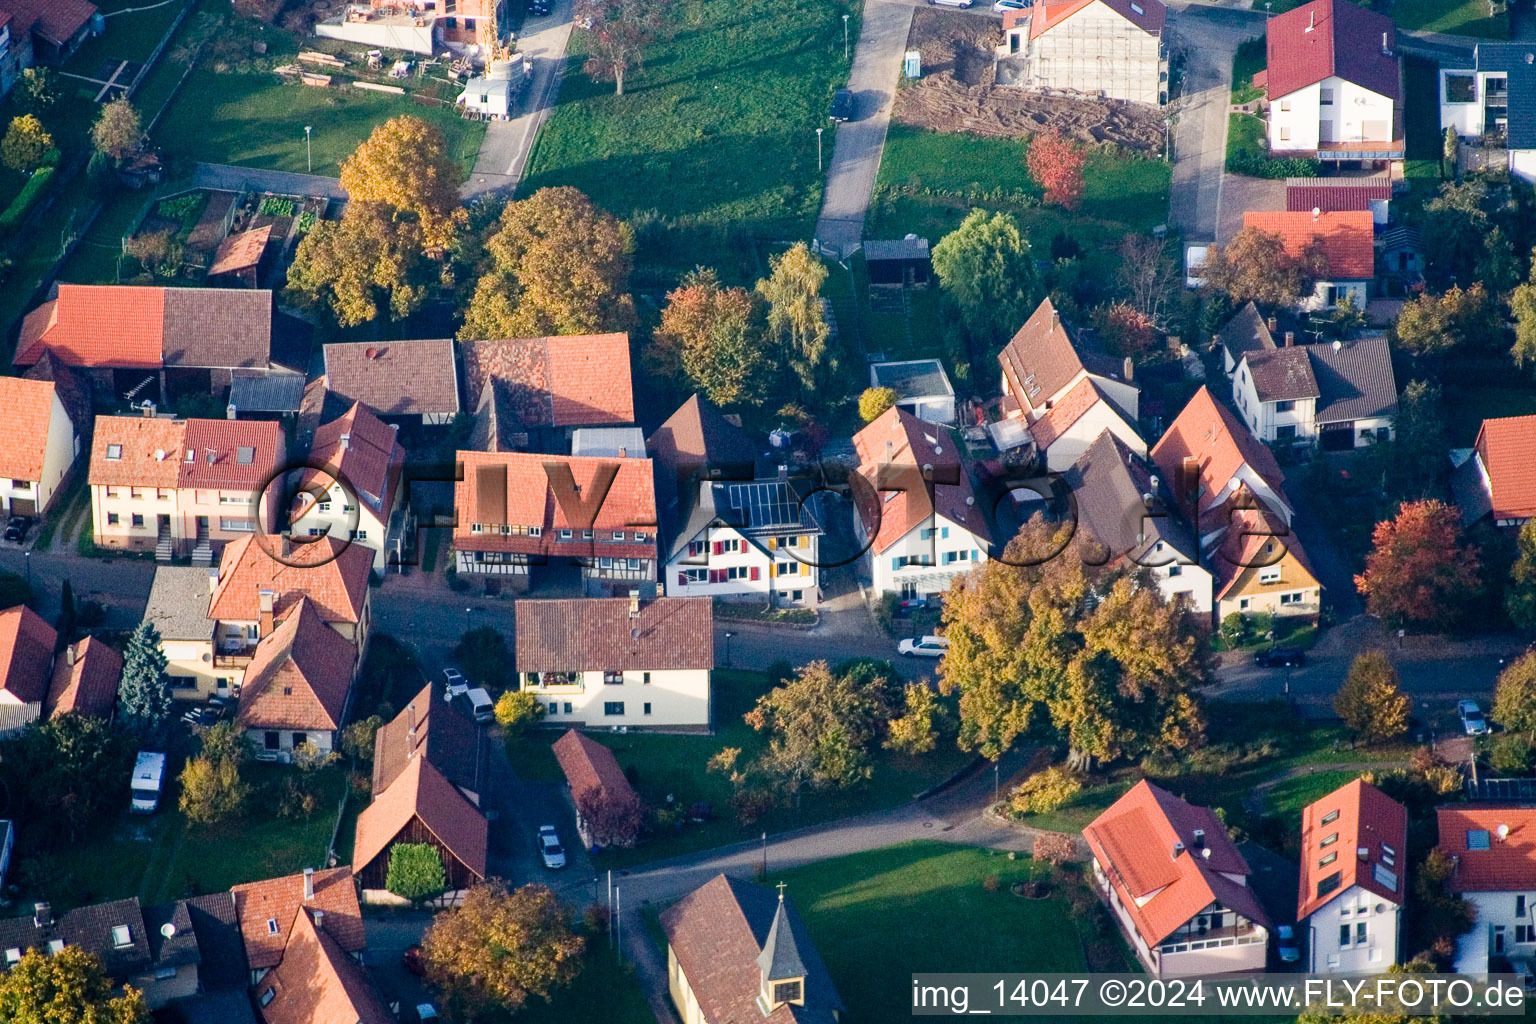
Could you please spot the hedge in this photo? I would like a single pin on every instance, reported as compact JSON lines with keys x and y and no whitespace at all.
{"x":26,"y":199}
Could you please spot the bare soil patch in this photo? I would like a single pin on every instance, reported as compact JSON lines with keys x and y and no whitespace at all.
{"x":957,"y":91}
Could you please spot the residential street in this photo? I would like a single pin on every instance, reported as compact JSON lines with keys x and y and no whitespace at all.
{"x":855,"y":156}
{"x":504,"y":152}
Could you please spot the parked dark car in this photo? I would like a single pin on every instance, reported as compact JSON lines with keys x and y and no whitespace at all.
{"x":17,"y":527}
{"x":842,"y":105}
{"x":412,"y":961}
{"x":1280,"y":657}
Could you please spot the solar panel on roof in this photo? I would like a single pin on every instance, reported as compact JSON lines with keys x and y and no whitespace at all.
{"x":765,"y":505}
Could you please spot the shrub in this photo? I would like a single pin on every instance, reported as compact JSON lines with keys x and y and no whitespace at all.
{"x":1235,"y":629}
{"x":1055,"y":848}
{"x":33,"y":191}
{"x":1046,"y":790}
{"x":1511,"y":754}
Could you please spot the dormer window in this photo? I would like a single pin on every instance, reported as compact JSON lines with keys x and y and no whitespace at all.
{"x":12,"y":956}
{"x":55,"y":945}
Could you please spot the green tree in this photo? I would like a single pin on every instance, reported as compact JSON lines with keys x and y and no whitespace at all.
{"x":357,"y":739}
{"x":554,"y":264}
{"x":874,"y":401}
{"x":144,"y":695}
{"x":1522,"y":305}
{"x":985,"y":265}
{"x":66,"y":987}
{"x":795,"y":321}
{"x":1046,"y":790}
{"x":366,"y":260}
{"x":516,"y":710}
{"x":1256,"y":266}
{"x":117,"y":131}
{"x":68,"y":772}
{"x":36,"y":91}
{"x":1510,"y":754}
{"x":25,"y":144}
{"x":483,"y":655}
{"x":497,"y":948}
{"x":1496,"y":267}
{"x":712,"y":337}
{"x":1418,"y":445}
{"x":1520,"y":594}
{"x":212,"y":787}
{"x":1371,"y":702}
{"x":415,"y":873}
{"x":1432,"y":325}
{"x":916,"y":731}
{"x":820,"y":726}
{"x":1420,"y":572}
{"x":1458,"y":221}
{"x":1514,"y":697}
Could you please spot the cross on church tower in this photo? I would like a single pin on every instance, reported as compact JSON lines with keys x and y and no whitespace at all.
{"x":781,"y":892}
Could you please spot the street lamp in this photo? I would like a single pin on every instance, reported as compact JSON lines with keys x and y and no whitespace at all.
{"x":466,"y":618}
{"x":818,"y":150}
{"x":728,"y":635}
{"x":29,"y":567}
{"x":845,"y":37}
{"x":309,"y":158}
{"x":997,"y":780}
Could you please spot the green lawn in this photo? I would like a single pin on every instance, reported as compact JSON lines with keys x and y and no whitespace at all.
{"x":1460,"y":17}
{"x":719,"y":126}
{"x":1467,"y":406}
{"x":1290,"y":796}
{"x":1250,"y":58}
{"x":95,"y":259}
{"x":664,"y":765}
{"x":1245,"y":134}
{"x":603,"y":991}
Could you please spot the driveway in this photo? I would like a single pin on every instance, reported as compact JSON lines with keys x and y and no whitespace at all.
{"x":1208,"y":37}
{"x":1239,"y":194}
{"x":505,"y":150}
{"x":856,"y":151}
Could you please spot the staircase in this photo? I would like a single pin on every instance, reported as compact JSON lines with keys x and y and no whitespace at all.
{"x":202,"y":554}
{"x":163,"y":548}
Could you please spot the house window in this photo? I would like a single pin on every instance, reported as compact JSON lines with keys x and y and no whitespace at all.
{"x":639,"y":537}
{"x":1525,"y":933}
{"x":21,"y":485}
{"x":267,"y":996}
{"x":586,"y":534}
{"x":1343,"y":934}
{"x":1286,"y":433}
{"x":474,"y":528}
{"x":1328,"y":840}
{"x":1330,"y":818}
{"x":567,"y":707}
{"x":1292,"y":598}
{"x":359,"y":534}
{"x":138,"y":519}
{"x":647,"y":707}
{"x":618,"y":534}
{"x":565,"y":534}
{"x":786,"y":991}
{"x":1326,"y":96}
{"x":1269,"y":574}
{"x":1285,"y":129}
{"x":613,"y":707}
{"x":1520,"y":905}
{"x":1328,"y":884}
{"x":1328,"y":858}
{"x":1242,"y":604}
{"x":1477,"y":839}
{"x":182,"y":682}
{"x":613,"y":678}
{"x":1285,"y":106}
{"x":1175,"y":570}
{"x":112,"y":518}
{"x":271,"y":740}
{"x":1285,"y":406}
{"x":1360,"y":933}
{"x":1460,"y":89}
{"x":1389,"y":856}
{"x":121,"y":936}
{"x":645,"y":678}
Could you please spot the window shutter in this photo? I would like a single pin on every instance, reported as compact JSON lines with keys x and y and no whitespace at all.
{"x":773,"y":570}
{"x":719,"y":547}
{"x":895,"y":563}
{"x":682,"y":579}
{"x":773,"y":543}
{"x":754,"y":572}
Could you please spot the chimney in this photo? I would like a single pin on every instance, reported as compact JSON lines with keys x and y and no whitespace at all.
{"x":1272,"y":325}
{"x":1290,"y":338}
{"x":229,"y":411}
{"x":1178,"y":848}
{"x":1055,"y":320}
{"x":266,"y":599}
{"x":69,"y":654}
{"x":1199,"y":838}
{"x":1386,"y":48}
{"x":410,"y":718}
{"x":1130,"y":369}
{"x":42,"y":915}
{"x":634,"y":604}
{"x":319,"y":916}
{"x":783,"y":473}
{"x":309,"y":884}
{"x":345,"y":442}
{"x":623,"y":452}
{"x":148,"y":408}
{"x":213,"y":580}
{"x":1363,"y":852}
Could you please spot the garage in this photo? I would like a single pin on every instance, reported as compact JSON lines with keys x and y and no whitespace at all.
{"x":1337,"y":437}
{"x":23,"y":506}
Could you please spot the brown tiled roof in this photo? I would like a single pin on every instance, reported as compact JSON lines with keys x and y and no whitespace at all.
{"x":240,"y":251}
{"x":437,"y":730}
{"x":231,"y":454}
{"x":89,"y":928}
{"x":1160,"y":886}
{"x":368,"y":460}
{"x":299,"y":677}
{"x":718,"y":931}
{"x":28,"y":406}
{"x":1207,"y":432}
{"x":515,"y":488}
{"x":698,"y":437}
{"x":267,"y":910}
{"x":588,"y":765}
{"x":152,"y":450}
{"x":85,"y":678}
{"x":1365,"y":820}
{"x":1247,"y":331}
{"x":331,"y":573}
{"x":1315,"y":41}
{"x":1046,"y":354}
{"x":1507,"y":446}
{"x":570,"y":380}
{"x":218,"y":327}
{"x":1074,"y":405}
{"x":131,"y":327}
{"x":420,"y":792}
{"x":74,"y":393}
{"x":26,"y":650}
{"x":396,"y":378}
{"x":892,"y":452}
{"x":1331,"y":194}
{"x":1282,"y":375}
{"x":597,"y":633}
{"x":318,"y":983}
{"x":57,"y":21}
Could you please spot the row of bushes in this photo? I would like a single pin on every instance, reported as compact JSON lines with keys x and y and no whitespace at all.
{"x":33,"y":191}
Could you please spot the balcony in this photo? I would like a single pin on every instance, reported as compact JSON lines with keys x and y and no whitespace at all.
{"x":222,"y":660}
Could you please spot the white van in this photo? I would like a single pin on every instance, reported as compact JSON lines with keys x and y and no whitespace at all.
{"x":148,"y":775}
{"x":480,"y":704}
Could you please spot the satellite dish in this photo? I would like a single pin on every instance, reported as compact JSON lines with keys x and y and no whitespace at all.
{"x":634,"y":634}
{"x":159,"y":454}
{"x":168,"y":929}
{"x":1503,"y":831}
{"x":1317,"y":211}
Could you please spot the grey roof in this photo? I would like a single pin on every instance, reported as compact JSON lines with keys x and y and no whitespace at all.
{"x":762,"y":508}
{"x":91,"y":929}
{"x":780,"y":957}
{"x":180,"y":946}
{"x":216,"y":924}
{"x":222,"y":1007}
{"x":608,"y":442}
{"x":178,"y":603}
{"x":1110,"y":482}
{"x":1247,"y":331}
{"x":915,"y":378}
{"x":1355,"y":380}
{"x":1512,"y":60}
{"x":1470,"y":490}
{"x":273,"y":392}
{"x":898,"y":249}
{"x":1282,"y":375}
{"x":1401,"y":237}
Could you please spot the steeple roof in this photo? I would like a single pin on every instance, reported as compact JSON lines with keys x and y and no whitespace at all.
{"x":780,"y":958}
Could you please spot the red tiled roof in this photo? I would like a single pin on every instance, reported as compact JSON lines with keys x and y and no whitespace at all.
{"x":597,"y":634}
{"x":1507,"y":865}
{"x":240,"y":251}
{"x":567,"y":380}
{"x":1507,"y":446}
{"x":1207,"y":432}
{"x":1074,"y":405}
{"x":224,"y":454}
{"x":1331,"y":195}
{"x":26,"y":651}
{"x":396,"y":378}
{"x":267,"y":911}
{"x":1348,"y":236}
{"x":332,"y":574}
{"x":299,"y":677}
{"x":130,"y":327}
{"x":435,"y":729}
{"x":1366,"y":820}
{"x":1134,"y":842}
{"x":515,"y":488}
{"x":1046,"y":355}
{"x":892,"y":451}
{"x":28,"y":406}
{"x":367,"y":461}
{"x":1328,"y":38}
{"x":148,"y":451}
{"x":1046,"y":16}
{"x":420,"y":792}
{"x":318,"y":983}
{"x":85,"y":680}
{"x":588,"y":765}
{"x":1243,"y":548}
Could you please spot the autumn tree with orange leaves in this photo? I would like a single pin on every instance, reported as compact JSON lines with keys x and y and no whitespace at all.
{"x":1420,"y":573}
{"x":1056,"y":163}
{"x":1256,"y":265}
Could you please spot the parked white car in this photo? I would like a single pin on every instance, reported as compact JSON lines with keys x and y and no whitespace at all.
{"x":550,"y":849}
{"x":1004,"y":6}
{"x":457,"y":684}
{"x":923,"y":647}
{"x":1472,"y":721}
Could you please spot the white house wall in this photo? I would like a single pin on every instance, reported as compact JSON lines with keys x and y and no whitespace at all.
{"x":1296,"y":120}
{"x":676,"y":697}
{"x":58,"y":455}
{"x":941,"y":551}
{"x":331,"y":518}
{"x":1077,"y":438}
{"x":1379,"y":951}
{"x":802,"y":560}
{"x":1522,"y":164}
{"x":1466,"y":118}
{"x":1098,"y":52}
{"x":1494,"y":910}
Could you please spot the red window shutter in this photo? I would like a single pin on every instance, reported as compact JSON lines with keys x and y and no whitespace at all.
{"x":754,"y":572}
{"x":682,"y":579}
{"x":719,"y":547}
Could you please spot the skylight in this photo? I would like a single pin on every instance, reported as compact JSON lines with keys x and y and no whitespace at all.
{"x":1477,"y":839}
{"x":121,"y":936}
{"x":1386,"y":876}
{"x":245,"y":455}
{"x":114,"y":452}
{"x":271,"y":926}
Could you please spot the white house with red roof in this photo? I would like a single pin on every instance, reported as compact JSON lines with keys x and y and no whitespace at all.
{"x":1111,"y":49}
{"x":352,"y":485}
{"x":1497,"y":477}
{"x":1335,"y":83}
{"x":1177,"y":885}
{"x":38,"y":445}
{"x":1494,"y":850}
{"x":1354,"y":880}
{"x":1348,"y":240}
{"x":922,"y":525}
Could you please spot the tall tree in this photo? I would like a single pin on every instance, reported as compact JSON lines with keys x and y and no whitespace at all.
{"x":415,"y":872}
{"x":1496,"y":268}
{"x":25,"y":144}
{"x":1371,"y":702}
{"x":820,"y":726}
{"x":1520,"y":594}
{"x":357,"y":739}
{"x":874,"y":401}
{"x":353,"y":266}
{"x":66,"y":987}
{"x":404,"y":167}
{"x":1126,"y":330}
{"x":36,"y":90}
{"x":68,"y":771}
{"x":986,"y":267}
{"x":1432,"y":325}
{"x":1255,"y":265}
{"x":144,"y":694}
{"x":117,"y":131}
{"x":1056,"y":163}
{"x":516,"y":710}
{"x":922,"y":718}
{"x":1458,"y":221}
{"x":1418,"y":445}
{"x":795,"y":320}
{"x":1420,"y":573}
{"x":554,"y":264}
{"x":482,"y":654}
{"x":212,"y":788}
{"x":1148,"y":275}
{"x":1522,"y":304}
{"x":497,"y":948}
{"x":712,"y":336}
{"x":617,"y":34}
{"x":1514,"y":697}
{"x":613,"y":819}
